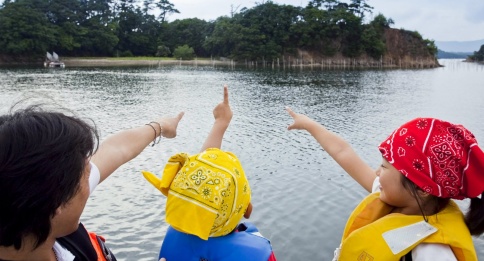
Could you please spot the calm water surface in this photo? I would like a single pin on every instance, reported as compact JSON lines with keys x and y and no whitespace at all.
{"x":301,"y":197}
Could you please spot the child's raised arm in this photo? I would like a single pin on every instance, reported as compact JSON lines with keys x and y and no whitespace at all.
{"x":337,"y":148}
{"x":222,"y":115}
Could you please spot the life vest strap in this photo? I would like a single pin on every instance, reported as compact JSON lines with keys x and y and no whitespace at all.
{"x":102,"y":251}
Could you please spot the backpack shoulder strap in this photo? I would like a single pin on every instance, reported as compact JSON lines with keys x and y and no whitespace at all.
{"x":79,"y":244}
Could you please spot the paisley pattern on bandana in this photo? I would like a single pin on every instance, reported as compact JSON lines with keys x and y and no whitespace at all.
{"x":208,"y":193}
{"x":441,"y":158}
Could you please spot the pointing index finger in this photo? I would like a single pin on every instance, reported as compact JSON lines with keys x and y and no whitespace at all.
{"x":226,"y":94}
{"x":290,"y":111}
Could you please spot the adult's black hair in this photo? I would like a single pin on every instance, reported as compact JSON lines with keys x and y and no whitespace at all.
{"x":42,"y":158}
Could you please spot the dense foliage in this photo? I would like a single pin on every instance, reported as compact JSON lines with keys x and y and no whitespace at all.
{"x":267,"y":31}
{"x":478,"y":55}
{"x":184,"y":52}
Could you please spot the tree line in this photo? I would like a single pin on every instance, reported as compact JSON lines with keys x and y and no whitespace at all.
{"x":478,"y":56}
{"x":130,"y":28}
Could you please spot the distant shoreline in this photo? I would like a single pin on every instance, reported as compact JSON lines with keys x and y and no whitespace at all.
{"x":327,"y":63}
{"x":93,"y":62}
{"x":330,"y":63}
{"x":110,"y":61}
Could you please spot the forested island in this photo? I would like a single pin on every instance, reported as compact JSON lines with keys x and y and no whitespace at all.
{"x":324,"y":32}
{"x":478,"y":56}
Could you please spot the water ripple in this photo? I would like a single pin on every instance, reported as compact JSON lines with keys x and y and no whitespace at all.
{"x":301,"y":197}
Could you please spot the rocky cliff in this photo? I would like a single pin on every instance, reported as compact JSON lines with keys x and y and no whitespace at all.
{"x":407,"y":49}
{"x":404,"y":49}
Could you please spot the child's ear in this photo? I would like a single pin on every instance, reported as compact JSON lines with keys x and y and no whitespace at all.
{"x":248,"y":211}
{"x":422,"y":193}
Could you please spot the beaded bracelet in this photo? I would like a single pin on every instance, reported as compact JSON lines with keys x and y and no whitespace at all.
{"x":161,"y":130}
{"x":154,"y":140}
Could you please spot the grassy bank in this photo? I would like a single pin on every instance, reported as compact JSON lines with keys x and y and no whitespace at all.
{"x":337,"y":62}
{"x":136,"y":61}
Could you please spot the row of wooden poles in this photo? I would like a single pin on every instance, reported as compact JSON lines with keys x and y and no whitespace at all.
{"x":323,"y":63}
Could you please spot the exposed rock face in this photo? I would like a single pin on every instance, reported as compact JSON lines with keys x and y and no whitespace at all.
{"x":404,"y":49}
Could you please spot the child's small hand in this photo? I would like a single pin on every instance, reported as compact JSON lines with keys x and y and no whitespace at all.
{"x":300,"y":120}
{"x":222,"y":112}
{"x":169,"y":125}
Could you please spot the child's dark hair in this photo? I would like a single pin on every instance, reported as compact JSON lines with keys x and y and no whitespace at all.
{"x":474,"y":218}
{"x":42,"y":157}
{"x":437,"y":203}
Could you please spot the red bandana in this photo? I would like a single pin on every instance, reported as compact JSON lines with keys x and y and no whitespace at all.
{"x":441,"y":158}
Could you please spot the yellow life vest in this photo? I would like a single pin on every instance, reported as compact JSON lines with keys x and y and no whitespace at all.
{"x":374,"y":233}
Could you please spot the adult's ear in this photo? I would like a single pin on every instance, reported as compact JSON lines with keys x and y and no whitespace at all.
{"x":248,"y":211}
{"x":58,"y":211}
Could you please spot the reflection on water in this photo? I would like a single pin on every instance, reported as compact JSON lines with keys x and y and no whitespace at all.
{"x":301,"y":197}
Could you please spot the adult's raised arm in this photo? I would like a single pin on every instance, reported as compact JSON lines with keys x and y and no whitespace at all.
{"x":125,"y":145}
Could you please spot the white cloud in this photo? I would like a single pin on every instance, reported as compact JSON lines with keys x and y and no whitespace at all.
{"x":212,"y":9}
{"x":443,"y":20}
{"x":440,"y":20}
{"x":475,"y":13}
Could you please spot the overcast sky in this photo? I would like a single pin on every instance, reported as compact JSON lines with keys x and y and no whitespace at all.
{"x":439,"y":20}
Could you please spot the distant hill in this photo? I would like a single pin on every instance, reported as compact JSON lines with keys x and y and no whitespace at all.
{"x":460,"y":47}
{"x":448,"y":55}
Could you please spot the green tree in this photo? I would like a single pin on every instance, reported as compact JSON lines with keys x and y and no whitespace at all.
{"x":373,"y":42}
{"x":165,"y":8}
{"x":100,"y":38}
{"x":360,"y":7}
{"x":225,"y":37}
{"x":184,"y":52}
{"x":67,"y":16}
{"x":191,"y":31}
{"x":346,"y":27}
{"x":373,"y":37}
{"x":163,"y":51}
{"x":316,"y":31}
{"x":266,"y":31}
{"x":479,"y":55}
{"x":380,"y":22}
{"x":431,"y":47}
{"x":330,"y":26}
{"x":25,"y":30}
{"x":137,"y":32}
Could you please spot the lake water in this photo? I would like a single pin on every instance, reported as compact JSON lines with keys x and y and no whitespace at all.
{"x":301,"y":197}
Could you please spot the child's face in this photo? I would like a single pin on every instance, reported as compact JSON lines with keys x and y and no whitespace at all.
{"x":392,"y":190}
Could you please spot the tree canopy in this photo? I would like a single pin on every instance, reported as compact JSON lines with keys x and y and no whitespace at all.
{"x":129,"y":27}
{"x":478,"y":55}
